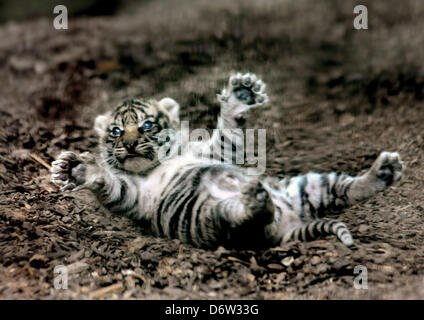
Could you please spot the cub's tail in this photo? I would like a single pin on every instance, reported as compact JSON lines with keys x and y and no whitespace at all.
{"x":320,"y":228}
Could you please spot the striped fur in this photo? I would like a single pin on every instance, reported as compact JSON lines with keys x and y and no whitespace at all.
{"x":210,"y":202}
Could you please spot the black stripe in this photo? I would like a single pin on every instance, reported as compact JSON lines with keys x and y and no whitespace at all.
{"x":177,"y":212}
{"x":309,"y":236}
{"x":302,"y":234}
{"x":296,"y":234}
{"x":345,"y":231}
{"x":330,"y":226}
{"x":316,"y":229}
{"x":324,"y":185}
{"x":322,"y":227}
{"x":188,"y":212}
{"x":174,"y":196}
{"x":169,"y":199}
{"x":312,"y":209}
{"x":302,"y":185}
{"x":341,"y":226}
{"x":180,"y":188}
{"x":165,"y":199}
{"x":198,"y":230}
{"x":195,"y":181}
{"x":225,"y":140}
{"x":334,"y":192}
{"x":346,"y":190}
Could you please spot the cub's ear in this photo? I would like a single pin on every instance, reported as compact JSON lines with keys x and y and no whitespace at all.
{"x":172,"y":107}
{"x":101,"y":123}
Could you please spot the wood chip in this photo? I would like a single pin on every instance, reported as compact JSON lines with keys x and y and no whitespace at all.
{"x":287,"y":261}
{"x":101,"y":293}
{"x":39,"y":160}
{"x":77,"y":267}
{"x":238,"y":260}
{"x":275,"y":266}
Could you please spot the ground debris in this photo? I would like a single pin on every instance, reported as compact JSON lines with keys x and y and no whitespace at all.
{"x":335,"y":104}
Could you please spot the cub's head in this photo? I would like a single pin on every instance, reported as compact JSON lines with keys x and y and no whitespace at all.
{"x":130,"y":134}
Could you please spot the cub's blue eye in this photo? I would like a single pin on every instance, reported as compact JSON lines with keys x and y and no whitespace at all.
{"x":116,"y":131}
{"x":147,"y":125}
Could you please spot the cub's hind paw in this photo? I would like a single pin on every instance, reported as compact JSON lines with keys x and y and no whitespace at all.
{"x":68,"y":171}
{"x":388,"y":167}
{"x":246,"y":88}
{"x":258,"y":201}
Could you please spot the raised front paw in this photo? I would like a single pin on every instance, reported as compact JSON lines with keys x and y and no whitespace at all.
{"x":388,"y":167}
{"x":246,"y":88}
{"x":68,"y":171}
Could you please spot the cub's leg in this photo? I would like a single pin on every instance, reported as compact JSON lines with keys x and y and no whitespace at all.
{"x":241,"y":220}
{"x":242,"y":93}
{"x":301,"y":200}
{"x":73,"y":172}
{"x":211,"y":206}
{"x":313,"y":195}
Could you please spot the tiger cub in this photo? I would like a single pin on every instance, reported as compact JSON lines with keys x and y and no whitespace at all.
{"x":208,"y":202}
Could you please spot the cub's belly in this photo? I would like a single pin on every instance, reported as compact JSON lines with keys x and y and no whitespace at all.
{"x":220,"y":180}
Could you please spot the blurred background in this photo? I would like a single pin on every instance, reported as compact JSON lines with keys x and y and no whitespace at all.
{"x":21,"y":9}
{"x":338,"y":97}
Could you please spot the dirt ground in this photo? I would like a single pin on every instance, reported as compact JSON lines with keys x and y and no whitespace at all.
{"x":338,"y":97}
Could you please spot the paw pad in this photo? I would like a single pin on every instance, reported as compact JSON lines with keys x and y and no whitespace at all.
{"x":388,"y":167}
{"x":246,"y":88}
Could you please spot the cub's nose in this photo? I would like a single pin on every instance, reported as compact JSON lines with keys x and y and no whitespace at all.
{"x":129,"y":146}
{"x":129,"y":138}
